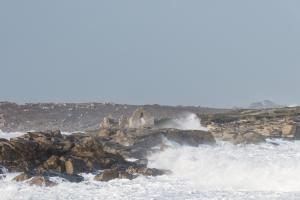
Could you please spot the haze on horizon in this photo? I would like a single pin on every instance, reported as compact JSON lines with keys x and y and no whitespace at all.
{"x":209,"y":53}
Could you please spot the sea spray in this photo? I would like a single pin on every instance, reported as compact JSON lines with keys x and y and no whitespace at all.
{"x":9,"y":135}
{"x":186,"y":121}
{"x":223,"y":171}
{"x":226,"y":167}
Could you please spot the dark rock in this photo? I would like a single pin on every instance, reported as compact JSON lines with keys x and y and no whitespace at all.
{"x":131,"y":172}
{"x":49,"y":154}
{"x":191,"y":138}
{"x":75,"y":165}
{"x":22,"y":177}
{"x":3,"y":172}
{"x":249,"y":138}
{"x":74,"y":178}
{"x":107,"y":175}
{"x":41,"y":181}
{"x":141,"y":142}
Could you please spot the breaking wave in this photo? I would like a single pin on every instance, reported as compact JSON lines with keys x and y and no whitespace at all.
{"x":187,"y":121}
{"x":223,"y":171}
{"x":228,"y":167}
{"x":7,"y":136}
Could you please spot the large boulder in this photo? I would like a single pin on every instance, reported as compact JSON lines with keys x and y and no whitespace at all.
{"x":123,"y":122}
{"x":248,"y":138}
{"x":289,"y":130}
{"x":25,"y":176}
{"x":140,"y":142}
{"x":130,"y":172}
{"x":108,"y":122}
{"x":41,"y":181}
{"x":107,"y":175}
{"x":141,"y":119}
{"x":41,"y":155}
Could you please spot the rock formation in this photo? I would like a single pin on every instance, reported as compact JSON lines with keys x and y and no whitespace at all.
{"x":123,"y":122}
{"x":267,"y":123}
{"x":108,"y":123}
{"x":40,"y":155}
{"x":141,"y":119}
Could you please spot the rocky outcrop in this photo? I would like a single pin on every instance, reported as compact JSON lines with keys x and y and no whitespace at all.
{"x":41,"y":181}
{"x":242,"y":125}
{"x":138,"y":143}
{"x":108,"y":123}
{"x":50,"y":153}
{"x":141,"y":119}
{"x":41,"y":155}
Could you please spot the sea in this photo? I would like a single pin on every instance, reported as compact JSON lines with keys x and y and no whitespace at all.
{"x":216,"y":172}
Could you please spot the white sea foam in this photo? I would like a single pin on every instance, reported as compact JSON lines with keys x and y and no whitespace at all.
{"x":223,"y":171}
{"x":263,"y":167}
{"x":7,"y":136}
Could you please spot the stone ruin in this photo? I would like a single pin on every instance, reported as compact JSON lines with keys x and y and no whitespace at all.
{"x":140,"y":119}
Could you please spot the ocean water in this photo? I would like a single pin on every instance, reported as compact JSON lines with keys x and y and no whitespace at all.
{"x":223,"y":171}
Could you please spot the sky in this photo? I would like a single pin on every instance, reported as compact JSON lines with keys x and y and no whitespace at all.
{"x":191,"y":52}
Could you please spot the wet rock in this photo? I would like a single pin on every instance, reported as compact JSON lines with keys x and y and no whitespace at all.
{"x":22,"y":177}
{"x":48,"y":154}
{"x":191,"y":138}
{"x":146,"y":171}
{"x":53,"y":163}
{"x":3,"y":172}
{"x":75,"y":165}
{"x":229,"y":136}
{"x":129,"y":173}
{"x":288,"y":130}
{"x":41,"y":181}
{"x":249,"y":138}
{"x":108,"y":123}
{"x":69,"y":167}
{"x":123,"y":122}
{"x":141,"y":119}
{"x":107,"y":175}
{"x":73,"y":178}
{"x":141,"y":142}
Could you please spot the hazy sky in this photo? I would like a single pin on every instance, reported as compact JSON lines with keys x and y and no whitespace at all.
{"x":209,"y":53}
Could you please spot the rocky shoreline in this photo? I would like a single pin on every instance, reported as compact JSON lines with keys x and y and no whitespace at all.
{"x":265,"y":123}
{"x":41,"y":155}
{"x":108,"y":151}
